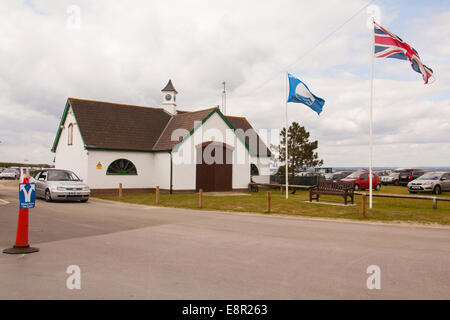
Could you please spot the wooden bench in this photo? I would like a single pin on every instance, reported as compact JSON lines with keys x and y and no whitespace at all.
{"x":339,"y":188}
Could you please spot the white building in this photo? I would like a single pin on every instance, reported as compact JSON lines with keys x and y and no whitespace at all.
{"x":142,"y":147}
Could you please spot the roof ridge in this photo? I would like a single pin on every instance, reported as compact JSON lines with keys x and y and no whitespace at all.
{"x":191,"y":112}
{"x":120,"y":104}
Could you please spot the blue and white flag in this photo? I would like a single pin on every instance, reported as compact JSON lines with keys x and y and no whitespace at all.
{"x":299,"y":93}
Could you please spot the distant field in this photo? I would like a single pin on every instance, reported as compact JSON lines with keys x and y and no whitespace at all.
{"x":385,"y":209}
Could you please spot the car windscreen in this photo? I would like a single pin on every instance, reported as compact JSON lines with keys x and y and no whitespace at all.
{"x":393,"y":174}
{"x":430,"y":176}
{"x":354,"y":175}
{"x":62,"y":176}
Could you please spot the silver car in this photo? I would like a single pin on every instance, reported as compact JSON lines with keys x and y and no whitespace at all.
{"x":435,"y":182}
{"x":56,"y":184}
{"x":10,"y":174}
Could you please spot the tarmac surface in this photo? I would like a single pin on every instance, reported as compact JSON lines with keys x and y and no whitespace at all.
{"x":139,"y":252}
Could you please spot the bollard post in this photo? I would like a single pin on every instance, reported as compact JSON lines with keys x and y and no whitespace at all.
{"x":157,"y":195}
{"x":434,"y":203}
{"x":120,"y":191}
{"x":268,"y":201}
{"x":363,"y":205}
{"x":200,"y":198}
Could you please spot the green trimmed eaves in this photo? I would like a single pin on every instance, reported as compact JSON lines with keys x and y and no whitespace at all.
{"x":61,"y":123}
{"x":176,"y":147}
{"x":63,"y":120}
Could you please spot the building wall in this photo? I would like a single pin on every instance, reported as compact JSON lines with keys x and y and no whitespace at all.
{"x":153,"y":169}
{"x":72,"y":157}
{"x":263,"y":164}
{"x":185,"y":158}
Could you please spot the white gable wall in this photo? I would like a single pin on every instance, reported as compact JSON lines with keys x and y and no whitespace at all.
{"x":184,"y":174}
{"x":72,"y":157}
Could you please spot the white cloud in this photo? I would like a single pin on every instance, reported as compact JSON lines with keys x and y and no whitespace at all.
{"x":125,"y":52}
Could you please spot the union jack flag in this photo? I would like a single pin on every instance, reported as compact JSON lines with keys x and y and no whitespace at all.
{"x":389,"y":45}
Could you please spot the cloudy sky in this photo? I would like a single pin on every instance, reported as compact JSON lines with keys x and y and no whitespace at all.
{"x":125,"y":51}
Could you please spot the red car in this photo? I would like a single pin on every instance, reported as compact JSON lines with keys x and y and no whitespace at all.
{"x":361,"y":180}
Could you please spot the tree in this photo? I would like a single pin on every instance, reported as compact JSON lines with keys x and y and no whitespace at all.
{"x":301,"y":151}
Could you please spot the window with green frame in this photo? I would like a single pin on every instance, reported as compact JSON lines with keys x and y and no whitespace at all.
{"x":254,"y":170}
{"x":121,"y":167}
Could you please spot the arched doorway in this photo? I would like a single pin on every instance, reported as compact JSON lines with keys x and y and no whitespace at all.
{"x":214,"y":167}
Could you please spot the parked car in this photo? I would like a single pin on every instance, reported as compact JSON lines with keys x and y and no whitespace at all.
{"x":392,"y":178}
{"x":57,"y":184}
{"x":408,"y":175}
{"x":361,"y":180}
{"x":8,"y":173}
{"x":337,"y":175}
{"x":435,"y":182}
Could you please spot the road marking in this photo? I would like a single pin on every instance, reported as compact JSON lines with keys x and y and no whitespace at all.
{"x":3,"y":202}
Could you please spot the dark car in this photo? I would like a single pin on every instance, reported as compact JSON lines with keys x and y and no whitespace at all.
{"x":408,"y":175}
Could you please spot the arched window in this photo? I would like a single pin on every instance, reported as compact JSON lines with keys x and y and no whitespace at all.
{"x":254,"y":170}
{"x":121,"y":167}
{"x":70,"y":134}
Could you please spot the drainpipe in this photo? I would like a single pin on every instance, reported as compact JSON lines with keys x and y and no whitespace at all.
{"x":171,"y":170}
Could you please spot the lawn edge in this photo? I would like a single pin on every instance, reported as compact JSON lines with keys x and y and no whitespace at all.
{"x":397,"y":223}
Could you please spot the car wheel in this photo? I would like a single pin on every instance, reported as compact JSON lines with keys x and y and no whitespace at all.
{"x":48,"y":196}
{"x":437,"y":190}
{"x":356,"y":187}
{"x":396,"y":183}
{"x":84,"y":200}
{"x":378,"y":187}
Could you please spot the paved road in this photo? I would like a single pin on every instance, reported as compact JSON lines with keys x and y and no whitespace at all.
{"x":135,"y":252}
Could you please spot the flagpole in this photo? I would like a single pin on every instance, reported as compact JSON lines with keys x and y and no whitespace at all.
{"x":371,"y":115}
{"x":286,"y":139}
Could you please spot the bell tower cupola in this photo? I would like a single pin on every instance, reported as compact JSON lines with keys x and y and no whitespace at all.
{"x":169,"y":98}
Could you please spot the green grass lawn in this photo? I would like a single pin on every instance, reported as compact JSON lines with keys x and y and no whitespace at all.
{"x":385,"y":209}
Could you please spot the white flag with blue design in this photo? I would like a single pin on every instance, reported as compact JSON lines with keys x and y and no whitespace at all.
{"x":300,"y":93}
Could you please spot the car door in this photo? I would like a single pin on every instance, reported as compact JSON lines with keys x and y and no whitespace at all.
{"x":364,"y":181}
{"x":41,"y":183}
{"x":446,"y":183}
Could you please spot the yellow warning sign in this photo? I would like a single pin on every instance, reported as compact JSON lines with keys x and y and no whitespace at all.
{"x":99,"y":166}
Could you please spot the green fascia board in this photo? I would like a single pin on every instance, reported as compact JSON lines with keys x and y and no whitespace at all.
{"x":63,"y":119}
{"x":176,"y":147}
{"x":61,"y":123}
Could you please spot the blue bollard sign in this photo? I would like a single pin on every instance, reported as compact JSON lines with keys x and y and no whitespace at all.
{"x":27,"y":195}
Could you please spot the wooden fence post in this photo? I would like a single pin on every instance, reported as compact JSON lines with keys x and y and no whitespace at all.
{"x":435,"y":203}
{"x":200,"y":198}
{"x":363,"y":205}
{"x":120,"y":192}
{"x":157,"y":195}
{"x":268,"y":201}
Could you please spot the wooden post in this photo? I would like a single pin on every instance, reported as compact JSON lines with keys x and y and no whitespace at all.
{"x":200,"y":198}
{"x":281,"y":189}
{"x":268,"y":201}
{"x":120,"y":192}
{"x":435,"y":203}
{"x":363,"y":205}
{"x":157,"y":195}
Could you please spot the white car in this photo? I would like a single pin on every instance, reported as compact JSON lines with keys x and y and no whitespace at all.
{"x":12,"y":174}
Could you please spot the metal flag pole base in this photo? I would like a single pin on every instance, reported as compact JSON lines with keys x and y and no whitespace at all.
{"x":20,"y":250}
